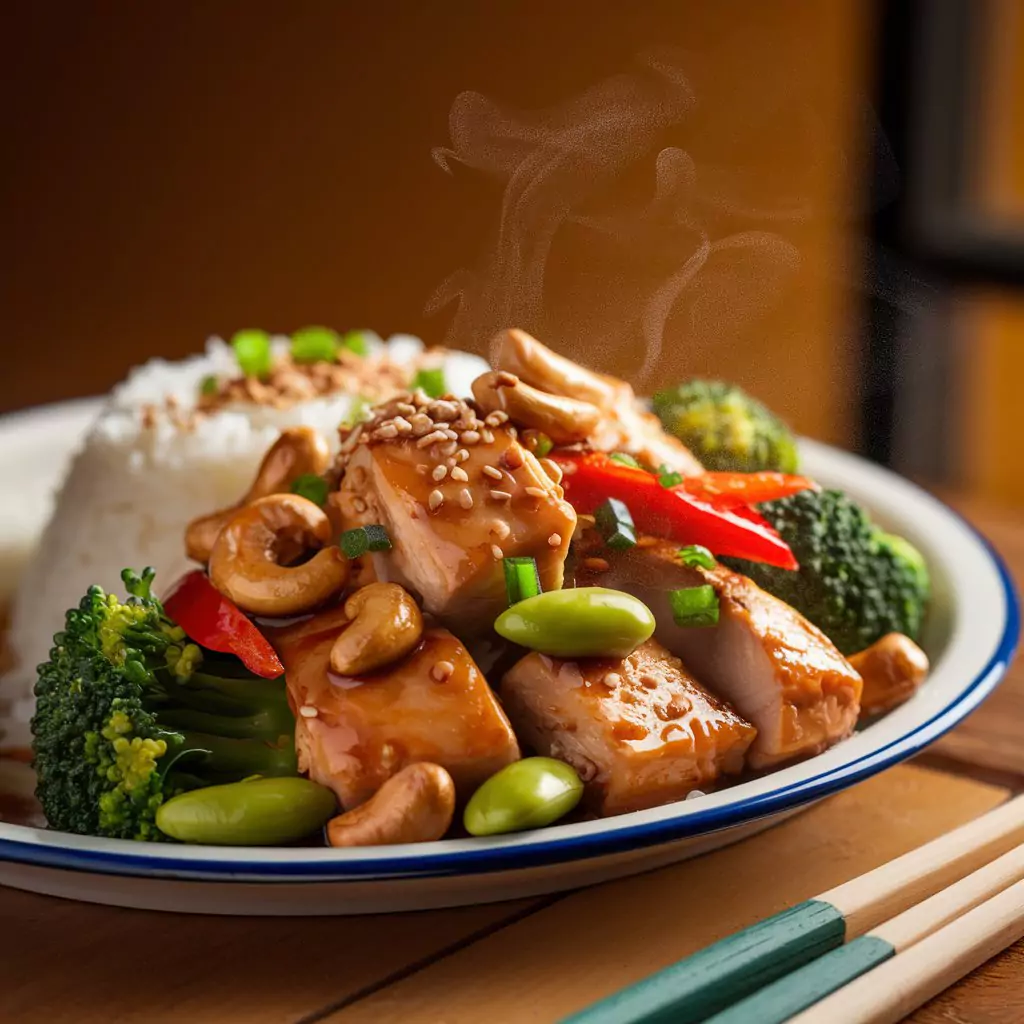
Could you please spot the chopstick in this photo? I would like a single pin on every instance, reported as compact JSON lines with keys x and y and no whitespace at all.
{"x":897,"y":987}
{"x":781,"y":1000}
{"x":714,"y":978}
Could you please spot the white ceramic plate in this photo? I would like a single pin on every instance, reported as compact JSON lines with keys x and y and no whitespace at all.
{"x":971,"y":635}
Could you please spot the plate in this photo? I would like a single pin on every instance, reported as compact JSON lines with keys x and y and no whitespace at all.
{"x":971,"y":635}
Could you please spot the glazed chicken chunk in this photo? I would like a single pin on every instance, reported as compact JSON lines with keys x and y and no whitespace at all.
{"x":641,"y":731}
{"x":456,"y":494}
{"x":352,"y":734}
{"x":776,"y":668}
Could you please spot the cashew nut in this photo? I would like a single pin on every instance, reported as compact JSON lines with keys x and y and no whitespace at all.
{"x":520,"y":353}
{"x":415,"y":805}
{"x":892,"y":669}
{"x":564,"y":420}
{"x":298,"y":451}
{"x":386,"y":625}
{"x":249,"y":560}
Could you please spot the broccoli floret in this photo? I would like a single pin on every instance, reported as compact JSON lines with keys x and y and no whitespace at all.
{"x":726,"y":428}
{"x":129,"y":713}
{"x":855,"y":582}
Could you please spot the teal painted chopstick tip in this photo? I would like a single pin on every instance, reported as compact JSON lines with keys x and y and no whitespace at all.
{"x":731,"y":969}
{"x":786,"y":997}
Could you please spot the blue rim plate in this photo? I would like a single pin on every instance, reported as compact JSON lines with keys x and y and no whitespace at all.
{"x":971,"y":636}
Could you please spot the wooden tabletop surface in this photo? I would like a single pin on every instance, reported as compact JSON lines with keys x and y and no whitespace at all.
{"x":532,"y":960}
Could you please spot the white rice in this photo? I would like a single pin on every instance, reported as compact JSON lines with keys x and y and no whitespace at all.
{"x":132,"y":488}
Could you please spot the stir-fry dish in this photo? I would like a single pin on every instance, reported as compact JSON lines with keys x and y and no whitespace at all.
{"x":483,"y":615}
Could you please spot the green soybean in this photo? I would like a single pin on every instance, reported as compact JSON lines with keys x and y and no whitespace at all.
{"x":258,"y":812}
{"x":578,"y":623}
{"x":531,"y":793}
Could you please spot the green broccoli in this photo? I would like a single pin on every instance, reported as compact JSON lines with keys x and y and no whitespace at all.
{"x":129,"y":713}
{"x":855,"y":583}
{"x":726,"y":428}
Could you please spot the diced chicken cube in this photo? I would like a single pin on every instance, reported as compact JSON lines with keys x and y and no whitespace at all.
{"x":641,"y":731}
{"x":352,"y":734}
{"x":454,"y":508}
{"x":776,"y":668}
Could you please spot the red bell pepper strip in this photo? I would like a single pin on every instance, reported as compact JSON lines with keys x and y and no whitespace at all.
{"x":670,"y":512}
{"x":214,"y":622}
{"x":728,"y":490}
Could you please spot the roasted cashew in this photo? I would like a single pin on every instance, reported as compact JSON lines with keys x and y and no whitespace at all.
{"x":415,"y":805}
{"x":386,"y":625}
{"x":249,"y":559}
{"x":892,"y":669}
{"x":298,"y":451}
{"x":564,"y":420}
{"x":520,"y":353}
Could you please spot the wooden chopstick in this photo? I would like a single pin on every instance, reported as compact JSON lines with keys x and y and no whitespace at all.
{"x":782,"y":999}
{"x":714,"y":978}
{"x":902,"y":984}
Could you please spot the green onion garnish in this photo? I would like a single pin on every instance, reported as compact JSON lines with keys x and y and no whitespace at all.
{"x":430,"y":382}
{"x":364,"y":538}
{"x":252,"y":350}
{"x":209,"y":385}
{"x":315,"y":345}
{"x":311,"y":486}
{"x":694,"y":606}
{"x":616,"y":524}
{"x":624,"y":459}
{"x":355,"y":341}
{"x":696,"y":554}
{"x":544,"y":445}
{"x":668,"y":477}
{"x":522,"y":580}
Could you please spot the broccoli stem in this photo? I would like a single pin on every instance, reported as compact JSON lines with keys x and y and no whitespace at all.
{"x":220,"y":757}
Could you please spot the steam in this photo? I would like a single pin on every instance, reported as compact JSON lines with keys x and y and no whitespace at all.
{"x":608,"y":236}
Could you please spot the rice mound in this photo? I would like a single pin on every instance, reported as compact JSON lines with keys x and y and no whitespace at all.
{"x":143,"y":471}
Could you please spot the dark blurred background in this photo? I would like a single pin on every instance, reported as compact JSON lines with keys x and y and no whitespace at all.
{"x":834,"y":223}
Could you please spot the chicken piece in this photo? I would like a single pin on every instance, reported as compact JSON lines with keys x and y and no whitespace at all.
{"x":456,"y":496}
{"x":641,"y":731}
{"x":625,"y":426}
{"x":892,"y":669}
{"x":352,"y":734}
{"x":776,"y":668}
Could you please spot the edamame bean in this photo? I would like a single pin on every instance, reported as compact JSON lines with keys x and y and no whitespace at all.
{"x":258,"y":812}
{"x":577,"y":623}
{"x":531,"y":793}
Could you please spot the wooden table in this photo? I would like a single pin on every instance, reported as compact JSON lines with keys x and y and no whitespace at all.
{"x":532,"y":960}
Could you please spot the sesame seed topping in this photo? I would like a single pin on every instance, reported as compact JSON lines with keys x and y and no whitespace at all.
{"x":500,"y":495}
{"x":359,"y":504}
{"x":458,"y":473}
{"x":493,"y":472}
{"x":487,"y":435}
{"x":308,"y":711}
{"x":596,"y":564}
{"x":496,"y":418}
{"x":435,"y":500}
{"x":451,"y":435}
{"x":462,"y":455}
{"x":402,"y":425}
{"x":536,"y":492}
{"x":500,"y":529}
{"x":432,"y":438}
{"x":465,"y":498}
{"x":385,"y":433}
{"x":553,"y":469}
{"x":405,"y":409}
{"x":470,"y":436}
{"x":613,"y":679}
{"x":442,"y":671}
{"x":439,"y":473}
{"x":647,"y":542}
{"x":497,"y":553}
{"x":555,"y":539}
{"x":449,"y":448}
{"x":421,"y":424}
{"x":443,"y":410}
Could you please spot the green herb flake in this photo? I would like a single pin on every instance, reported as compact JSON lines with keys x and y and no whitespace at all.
{"x":697,"y":554}
{"x":209,"y":386}
{"x":625,"y":459}
{"x":668,"y":477}
{"x":362,"y":539}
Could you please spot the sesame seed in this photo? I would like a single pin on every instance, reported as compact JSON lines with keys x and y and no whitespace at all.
{"x":536,"y":492}
{"x":647,"y":542}
{"x":439,"y":473}
{"x":465,"y":498}
{"x":552,"y":468}
{"x":496,"y":418}
{"x":500,"y":529}
{"x":449,"y":447}
{"x":493,"y":472}
{"x":359,"y":504}
{"x":487,"y":435}
{"x":554,"y":540}
{"x":504,"y":379}
{"x":385,"y":433}
{"x":462,"y":455}
{"x":458,"y":473}
{"x":435,"y":500}
{"x":596,"y":564}
{"x":451,"y":435}
{"x":308,"y":711}
{"x":497,"y":553}
{"x":402,"y":425}
{"x":500,"y":495}
{"x":432,"y":438}
{"x":613,"y":679}
{"x":405,"y":408}
{"x":421,"y":424}
{"x":470,"y":436}
{"x":442,"y":671}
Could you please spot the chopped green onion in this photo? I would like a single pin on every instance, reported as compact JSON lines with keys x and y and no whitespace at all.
{"x":209,"y":385}
{"x":624,"y":459}
{"x":355,"y":341}
{"x":315,"y":345}
{"x":430,"y":382}
{"x":668,"y":477}
{"x":616,"y":524}
{"x":696,"y":554}
{"x":694,"y":606}
{"x":252,"y":350}
{"x":311,"y":486}
{"x":544,"y":445}
{"x":374,"y":537}
{"x":522,"y":579}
